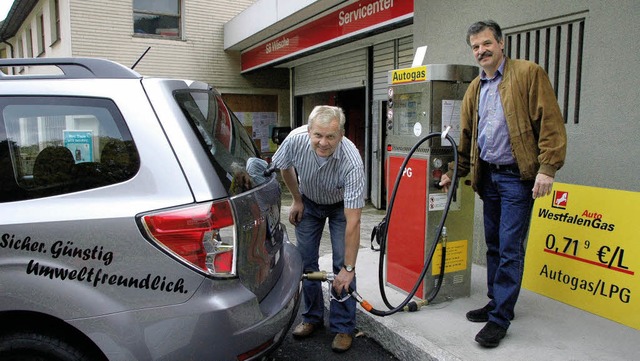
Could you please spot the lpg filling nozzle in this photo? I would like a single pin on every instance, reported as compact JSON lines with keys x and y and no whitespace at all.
{"x":324,"y":276}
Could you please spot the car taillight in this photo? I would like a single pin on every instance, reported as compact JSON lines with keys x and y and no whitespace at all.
{"x":202,"y":236}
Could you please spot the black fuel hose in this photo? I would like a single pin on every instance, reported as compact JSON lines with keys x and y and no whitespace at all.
{"x":383,"y":233}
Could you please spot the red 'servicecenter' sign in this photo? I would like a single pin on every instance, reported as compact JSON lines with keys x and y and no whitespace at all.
{"x":347,"y":21}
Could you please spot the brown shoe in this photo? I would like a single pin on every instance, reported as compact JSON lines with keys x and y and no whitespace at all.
{"x":342,"y":342}
{"x":304,"y":329}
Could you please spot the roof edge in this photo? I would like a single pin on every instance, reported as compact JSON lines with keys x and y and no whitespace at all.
{"x":16,"y":16}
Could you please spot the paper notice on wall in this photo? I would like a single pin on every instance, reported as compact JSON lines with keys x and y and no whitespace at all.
{"x":451,"y":117}
{"x":260,"y":125}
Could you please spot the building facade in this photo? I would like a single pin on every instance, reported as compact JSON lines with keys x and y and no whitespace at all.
{"x":587,"y":48}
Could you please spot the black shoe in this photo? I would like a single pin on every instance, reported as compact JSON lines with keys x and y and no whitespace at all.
{"x":481,"y":314}
{"x":491,"y":334}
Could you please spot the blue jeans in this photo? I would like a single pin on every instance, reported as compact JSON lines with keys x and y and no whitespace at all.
{"x":507,"y":203}
{"x":342,"y":315}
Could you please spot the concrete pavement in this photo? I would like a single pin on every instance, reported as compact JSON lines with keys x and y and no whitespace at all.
{"x":543,"y":329}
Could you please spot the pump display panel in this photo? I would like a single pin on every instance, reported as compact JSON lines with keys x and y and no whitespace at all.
{"x":406,"y":113}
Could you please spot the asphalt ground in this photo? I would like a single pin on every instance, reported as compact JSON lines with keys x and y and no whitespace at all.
{"x":318,"y":347}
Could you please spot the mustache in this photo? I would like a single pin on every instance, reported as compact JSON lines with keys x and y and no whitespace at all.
{"x":484,"y":55}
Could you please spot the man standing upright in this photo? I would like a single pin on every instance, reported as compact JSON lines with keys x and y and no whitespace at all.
{"x":324,"y":172}
{"x":513,"y":140}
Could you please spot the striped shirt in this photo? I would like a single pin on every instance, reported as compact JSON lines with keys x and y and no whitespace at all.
{"x":340,"y":178}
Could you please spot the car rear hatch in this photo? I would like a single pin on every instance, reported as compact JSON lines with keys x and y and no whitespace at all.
{"x":260,"y":237}
{"x":236,"y":218}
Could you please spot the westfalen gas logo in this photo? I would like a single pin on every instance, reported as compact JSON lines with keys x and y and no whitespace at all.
{"x":560,"y":199}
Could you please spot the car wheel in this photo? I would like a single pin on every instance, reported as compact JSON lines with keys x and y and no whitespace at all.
{"x":37,"y":347}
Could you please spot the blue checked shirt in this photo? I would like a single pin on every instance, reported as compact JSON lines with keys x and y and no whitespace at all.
{"x":493,"y":135}
{"x":340,"y":178}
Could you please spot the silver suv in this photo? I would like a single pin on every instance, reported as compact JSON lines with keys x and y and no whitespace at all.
{"x":137,"y":221}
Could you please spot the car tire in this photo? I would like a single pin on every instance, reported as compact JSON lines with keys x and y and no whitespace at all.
{"x":38,"y":347}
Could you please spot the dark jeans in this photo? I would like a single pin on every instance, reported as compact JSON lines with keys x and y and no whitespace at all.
{"x":507,"y":203}
{"x":342,"y":315}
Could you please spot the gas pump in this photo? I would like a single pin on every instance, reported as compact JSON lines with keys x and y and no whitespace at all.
{"x":424,"y":100}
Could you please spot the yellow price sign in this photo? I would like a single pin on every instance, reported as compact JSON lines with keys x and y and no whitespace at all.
{"x":584,"y":250}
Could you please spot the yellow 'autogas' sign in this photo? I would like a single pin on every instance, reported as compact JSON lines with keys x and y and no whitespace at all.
{"x":584,"y":250}
{"x":408,"y":75}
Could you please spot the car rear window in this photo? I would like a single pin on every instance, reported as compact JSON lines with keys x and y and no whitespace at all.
{"x":55,"y":145}
{"x":234,"y":153}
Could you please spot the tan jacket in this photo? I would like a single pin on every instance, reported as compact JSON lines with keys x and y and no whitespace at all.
{"x":536,"y":126}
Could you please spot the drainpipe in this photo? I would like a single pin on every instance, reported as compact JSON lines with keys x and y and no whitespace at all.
{"x":10,"y":47}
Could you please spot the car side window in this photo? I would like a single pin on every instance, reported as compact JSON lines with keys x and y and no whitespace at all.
{"x":235,"y":155}
{"x":56,"y":145}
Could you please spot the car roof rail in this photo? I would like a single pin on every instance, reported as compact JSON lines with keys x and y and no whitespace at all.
{"x":73,"y":68}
